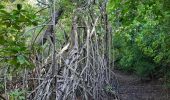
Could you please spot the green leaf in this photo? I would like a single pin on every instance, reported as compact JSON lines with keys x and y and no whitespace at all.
{"x":19,"y":6}
{"x":3,"y":12}
{"x":21,"y":59}
{"x":2,"y":6}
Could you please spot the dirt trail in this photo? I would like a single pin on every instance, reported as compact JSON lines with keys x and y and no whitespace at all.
{"x":132,"y":88}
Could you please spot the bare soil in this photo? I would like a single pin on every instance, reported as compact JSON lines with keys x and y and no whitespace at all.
{"x":131,"y":87}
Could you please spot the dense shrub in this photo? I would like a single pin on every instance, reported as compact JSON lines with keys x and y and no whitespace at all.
{"x":141,"y":35}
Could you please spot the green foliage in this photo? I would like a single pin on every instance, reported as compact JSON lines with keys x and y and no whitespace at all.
{"x":13,"y":48}
{"x":141,"y":37}
{"x":17,"y":95}
{"x":1,"y":86}
{"x":109,"y":89}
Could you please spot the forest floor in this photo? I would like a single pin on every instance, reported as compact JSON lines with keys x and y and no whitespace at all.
{"x":131,"y":87}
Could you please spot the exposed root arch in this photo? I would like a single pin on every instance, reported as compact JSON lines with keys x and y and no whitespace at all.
{"x":82,"y":71}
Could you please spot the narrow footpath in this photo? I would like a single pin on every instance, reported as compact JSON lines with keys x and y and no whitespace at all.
{"x":131,"y":87}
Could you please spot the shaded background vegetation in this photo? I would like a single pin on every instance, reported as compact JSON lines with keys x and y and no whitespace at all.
{"x":141,"y":36}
